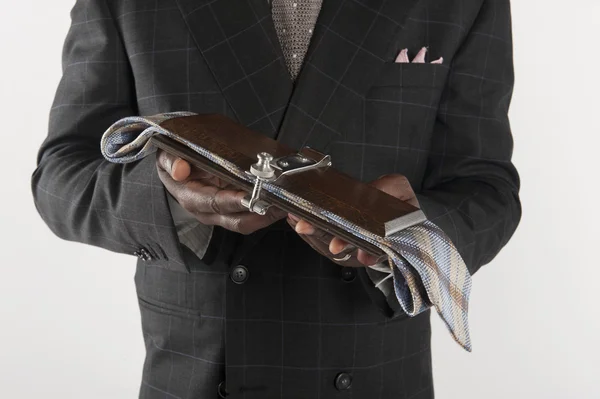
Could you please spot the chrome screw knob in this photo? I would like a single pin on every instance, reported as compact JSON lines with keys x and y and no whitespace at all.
{"x":263,"y":169}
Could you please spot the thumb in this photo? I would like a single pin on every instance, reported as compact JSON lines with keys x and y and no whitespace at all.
{"x":397,"y":186}
{"x":178,"y":168}
{"x":394,"y":185}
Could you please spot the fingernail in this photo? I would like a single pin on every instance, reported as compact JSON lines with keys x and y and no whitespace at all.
{"x":303,"y":228}
{"x":347,"y":247}
{"x":172,"y":171}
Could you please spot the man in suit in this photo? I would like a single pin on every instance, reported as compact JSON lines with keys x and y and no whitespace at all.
{"x":240,"y":305}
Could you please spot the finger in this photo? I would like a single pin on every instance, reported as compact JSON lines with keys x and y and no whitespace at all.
{"x":200,"y":174}
{"x":317,"y":245}
{"x":180,"y":169}
{"x":201,"y":198}
{"x":177,"y":168}
{"x":397,"y":186}
{"x":197,"y":197}
{"x":243,"y":222}
{"x":322,"y":247}
{"x":394,"y":185}
{"x":225,"y":202}
{"x":317,"y":234}
{"x":365,"y":258}
{"x":177,"y":189}
{"x":303,"y":227}
{"x":337,"y":245}
{"x":349,"y":250}
{"x":292,"y":221}
{"x":163,"y":160}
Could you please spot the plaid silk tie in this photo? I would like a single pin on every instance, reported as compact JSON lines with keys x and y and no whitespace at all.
{"x":294,"y":22}
{"x":426,"y":267}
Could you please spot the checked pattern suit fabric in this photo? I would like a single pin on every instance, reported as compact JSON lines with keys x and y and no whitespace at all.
{"x":298,"y":321}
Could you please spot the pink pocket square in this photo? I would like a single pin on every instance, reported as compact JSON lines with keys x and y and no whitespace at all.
{"x":402,"y":57}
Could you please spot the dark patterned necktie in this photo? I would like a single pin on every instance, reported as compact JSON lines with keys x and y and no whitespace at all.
{"x":294,"y":22}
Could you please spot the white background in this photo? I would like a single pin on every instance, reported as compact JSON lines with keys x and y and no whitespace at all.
{"x":69,"y":323}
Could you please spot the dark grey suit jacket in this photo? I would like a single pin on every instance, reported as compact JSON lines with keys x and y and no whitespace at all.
{"x":299,"y":326}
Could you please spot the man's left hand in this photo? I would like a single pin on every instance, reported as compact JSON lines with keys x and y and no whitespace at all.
{"x":330,"y":246}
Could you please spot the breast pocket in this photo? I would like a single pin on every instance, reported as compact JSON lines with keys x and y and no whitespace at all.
{"x":400,"y":111}
{"x":402,"y":103}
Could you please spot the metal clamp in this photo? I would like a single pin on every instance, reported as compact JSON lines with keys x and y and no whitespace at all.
{"x":269,"y":170}
{"x":263,"y":170}
{"x":297,"y":163}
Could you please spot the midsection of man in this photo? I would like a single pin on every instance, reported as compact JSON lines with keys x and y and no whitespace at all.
{"x":298,"y":321}
{"x":265,"y":315}
{"x":286,"y":330}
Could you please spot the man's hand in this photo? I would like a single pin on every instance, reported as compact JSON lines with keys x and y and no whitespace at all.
{"x":209,"y":198}
{"x":329,"y":246}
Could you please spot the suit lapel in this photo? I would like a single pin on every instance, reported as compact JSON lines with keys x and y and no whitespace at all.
{"x":351,"y":43}
{"x":240,"y":46}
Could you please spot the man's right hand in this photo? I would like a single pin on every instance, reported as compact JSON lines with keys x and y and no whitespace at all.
{"x":208,"y":198}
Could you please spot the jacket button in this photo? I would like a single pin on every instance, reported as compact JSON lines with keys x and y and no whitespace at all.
{"x":348,"y":274}
{"x":239,"y":274}
{"x":343,"y":381}
{"x":143,"y":254}
{"x":221,"y":390}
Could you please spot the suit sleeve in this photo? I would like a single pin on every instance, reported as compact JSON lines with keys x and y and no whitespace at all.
{"x":471,"y":186}
{"x":79,"y":195}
